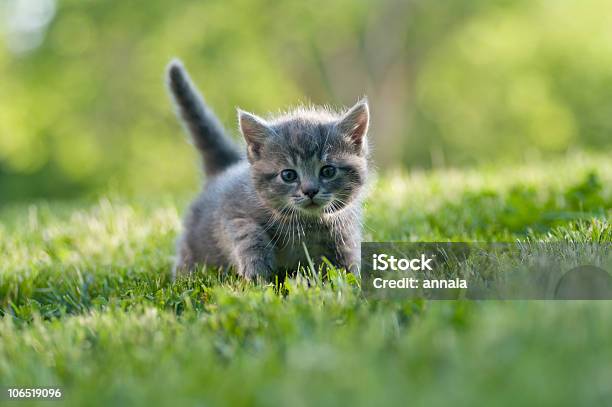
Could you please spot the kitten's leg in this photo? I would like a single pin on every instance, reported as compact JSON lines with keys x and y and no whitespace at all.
{"x":348,"y":250}
{"x":252,"y":251}
{"x":184,"y":263}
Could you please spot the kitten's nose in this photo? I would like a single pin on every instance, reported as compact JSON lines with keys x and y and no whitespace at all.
{"x":310,"y":191}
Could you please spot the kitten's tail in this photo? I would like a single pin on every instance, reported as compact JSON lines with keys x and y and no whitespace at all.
{"x":218,"y":151}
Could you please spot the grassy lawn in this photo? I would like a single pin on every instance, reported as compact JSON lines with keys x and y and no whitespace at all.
{"x":87,"y":304}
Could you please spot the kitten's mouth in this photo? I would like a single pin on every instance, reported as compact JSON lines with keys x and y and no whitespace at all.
{"x":310,"y":208}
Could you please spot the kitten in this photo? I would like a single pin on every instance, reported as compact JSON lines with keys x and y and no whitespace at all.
{"x":296,"y":195}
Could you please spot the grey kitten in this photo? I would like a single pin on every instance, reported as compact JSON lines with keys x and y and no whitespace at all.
{"x":296,"y":194}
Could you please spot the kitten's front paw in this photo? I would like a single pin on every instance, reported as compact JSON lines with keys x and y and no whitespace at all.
{"x":255,"y":270}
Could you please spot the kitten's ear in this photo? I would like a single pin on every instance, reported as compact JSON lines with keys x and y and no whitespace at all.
{"x":354,"y":124}
{"x":255,"y":131}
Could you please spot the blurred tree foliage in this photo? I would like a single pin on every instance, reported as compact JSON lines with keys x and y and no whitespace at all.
{"x":83,"y":106}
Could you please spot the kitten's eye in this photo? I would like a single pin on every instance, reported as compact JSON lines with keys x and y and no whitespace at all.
{"x":288,"y":175}
{"x":328,"y":171}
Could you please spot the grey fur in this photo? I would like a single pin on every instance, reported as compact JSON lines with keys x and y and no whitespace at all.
{"x":218,"y":152}
{"x":247,"y":216}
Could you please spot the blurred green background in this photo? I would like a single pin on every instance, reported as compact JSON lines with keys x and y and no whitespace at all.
{"x":83,"y":108}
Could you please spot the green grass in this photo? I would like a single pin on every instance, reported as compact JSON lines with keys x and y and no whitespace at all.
{"x":87,"y":304}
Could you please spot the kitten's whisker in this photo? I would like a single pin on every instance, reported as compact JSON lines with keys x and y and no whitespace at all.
{"x":292,"y":227}
{"x":274,"y":220}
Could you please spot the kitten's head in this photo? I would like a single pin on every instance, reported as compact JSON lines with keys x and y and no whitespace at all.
{"x":313,"y":162}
